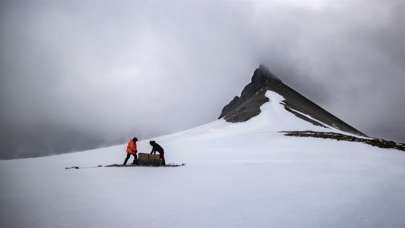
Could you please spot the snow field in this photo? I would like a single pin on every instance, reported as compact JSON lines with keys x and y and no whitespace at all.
{"x":237,"y":175}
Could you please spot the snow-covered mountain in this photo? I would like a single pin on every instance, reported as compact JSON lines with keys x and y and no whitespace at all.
{"x":253,"y":96}
{"x":238,"y":174}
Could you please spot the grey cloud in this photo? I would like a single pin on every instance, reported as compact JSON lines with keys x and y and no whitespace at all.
{"x":103,"y":71}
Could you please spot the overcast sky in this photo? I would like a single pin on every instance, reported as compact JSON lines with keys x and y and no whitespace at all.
{"x":77,"y":74}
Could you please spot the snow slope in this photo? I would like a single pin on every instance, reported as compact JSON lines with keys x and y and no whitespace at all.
{"x":237,"y":175}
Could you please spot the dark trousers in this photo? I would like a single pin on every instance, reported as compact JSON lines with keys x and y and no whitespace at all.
{"x":135,"y":159}
{"x":162,"y":156}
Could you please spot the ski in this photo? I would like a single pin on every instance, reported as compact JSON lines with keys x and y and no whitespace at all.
{"x":83,"y":167}
{"x":127,"y":166}
{"x":167,"y":165}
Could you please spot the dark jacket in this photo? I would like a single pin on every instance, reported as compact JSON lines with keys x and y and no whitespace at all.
{"x":157,"y":148}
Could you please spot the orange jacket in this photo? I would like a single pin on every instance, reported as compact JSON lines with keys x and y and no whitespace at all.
{"x":131,"y":148}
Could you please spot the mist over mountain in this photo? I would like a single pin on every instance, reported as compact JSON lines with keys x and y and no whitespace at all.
{"x":42,"y":140}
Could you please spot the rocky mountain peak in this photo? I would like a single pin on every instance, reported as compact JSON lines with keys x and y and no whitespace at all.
{"x":253,"y":97}
{"x":263,"y":74}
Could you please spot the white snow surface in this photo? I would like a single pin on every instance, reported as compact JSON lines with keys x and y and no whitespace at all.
{"x":237,"y":175}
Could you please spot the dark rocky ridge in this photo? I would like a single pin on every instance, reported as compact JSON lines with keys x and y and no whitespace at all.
{"x":382,"y":143}
{"x":253,"y":97}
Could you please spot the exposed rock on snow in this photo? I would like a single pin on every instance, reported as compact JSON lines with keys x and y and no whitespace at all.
{"x":248,"y":105}
{"x":382,"y":143}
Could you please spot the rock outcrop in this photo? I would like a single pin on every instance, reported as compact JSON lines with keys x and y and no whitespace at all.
{"x":253,"y":97}
{"x":382,"y":143}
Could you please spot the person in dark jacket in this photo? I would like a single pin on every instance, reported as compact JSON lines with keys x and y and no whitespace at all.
{"x":157,"y":148}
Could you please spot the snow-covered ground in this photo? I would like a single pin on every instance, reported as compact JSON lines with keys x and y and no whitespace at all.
{"x":237,"y":175}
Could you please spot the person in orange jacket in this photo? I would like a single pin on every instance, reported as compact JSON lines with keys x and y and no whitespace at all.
{"x":132,"y":150}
